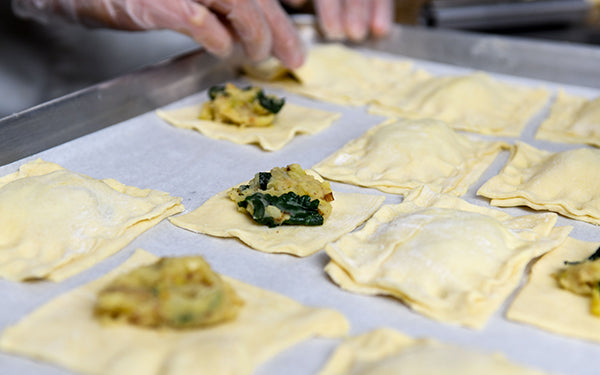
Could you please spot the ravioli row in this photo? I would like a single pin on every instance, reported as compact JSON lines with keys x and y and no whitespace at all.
{"x":267,"y":324}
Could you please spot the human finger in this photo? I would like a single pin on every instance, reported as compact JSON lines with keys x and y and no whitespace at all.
{"x":356,"y":19}
{"x":287,"y":45}
{"x":329,"y":14}
{"x":248,"y":23}
{"x":382,"y":17}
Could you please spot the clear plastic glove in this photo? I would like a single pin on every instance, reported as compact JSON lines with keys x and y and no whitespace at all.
{"x":352,"y":19}
{"x":261,"y":26}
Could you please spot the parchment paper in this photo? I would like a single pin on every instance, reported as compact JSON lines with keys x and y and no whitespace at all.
{"x":148,"y":153}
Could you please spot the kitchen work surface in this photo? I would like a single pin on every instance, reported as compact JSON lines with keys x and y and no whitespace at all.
{"x":112,"y":131}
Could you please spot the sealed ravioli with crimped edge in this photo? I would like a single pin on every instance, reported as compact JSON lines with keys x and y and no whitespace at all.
{"x":55,"y":223}
{"x":544,"y":304}
{"x":335,"y":73}
{"x":442,"y":256}
{"x":65,"y":332}
{"x":475,"y":103}
{"x":566,"y":182}
{"x":385,"y":351}
{"x":288,"y":122}
{"x":572,"y":119}
{"x":399,"y":155}
{"x":220,"y":216}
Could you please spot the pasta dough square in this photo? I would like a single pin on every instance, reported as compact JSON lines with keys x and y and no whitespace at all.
{"x":566,"y":182}
{"x":291,"y":120}
{"x":55,"y":223}
{"x":219,"y":217}
{"x":445,"y":258}
{"x":396,"y":157}
{"x":572,"y":119}
{"x":474,"y":102}
{"x":544,"y":304}
{"x":65,"y":332}
{"x":386,"y":351}
{"x":338,"y":74}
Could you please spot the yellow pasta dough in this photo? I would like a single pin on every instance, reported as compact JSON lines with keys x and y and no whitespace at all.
{"x":474,"y":102}
{"x":444,"y":257}
{"x":572,"y":119}
{"x":387,"y":352}
{"x":338,"y":74}
{"x":291,"y":120}
{"x":65,"y":332}
{"x":55,"y":223}
{"x":398,"y":156}
{"x":219,"y":217}
{"x":544,"y":304}
{"x":566,"y":182}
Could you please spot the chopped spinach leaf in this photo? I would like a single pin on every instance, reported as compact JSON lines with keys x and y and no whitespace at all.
{"x":269,"y":102}
{"x":215,"y":91}
{"x":302,"y":209}
{"x":263,"y":179}
{"x":591,"y":258}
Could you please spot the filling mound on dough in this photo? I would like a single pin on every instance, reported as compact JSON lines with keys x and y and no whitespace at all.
{"x":284,"y":196}
{"x":583,"y":278}
{"x":173,"y":292}
{"x":243,"y":107}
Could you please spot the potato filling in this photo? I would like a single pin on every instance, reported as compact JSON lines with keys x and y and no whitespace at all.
{"x":173,"y":292}
{"x":583,"y":278}
{"x":284,"y":196}
{"x":243,"y":107}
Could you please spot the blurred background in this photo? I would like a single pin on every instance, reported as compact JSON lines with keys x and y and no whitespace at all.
{"x":41,"y":62}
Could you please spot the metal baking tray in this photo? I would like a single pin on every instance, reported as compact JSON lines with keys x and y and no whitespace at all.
{"x":110,"y":130}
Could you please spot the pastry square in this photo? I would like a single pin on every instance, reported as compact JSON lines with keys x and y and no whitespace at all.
{"x":572,"y":119}
{"x":335,"y":73}
{"x":566,"y":182}
{"x":544,"y":304}
{"x":386,"y":351}
{"x":291,"y":120}
{"x":398,"y":156}
{"x":445,"y":258}
{"x":475,"y":103}
{"x":220,"y":217}
{"x":55,"y":223}
{"x":65,"y":332}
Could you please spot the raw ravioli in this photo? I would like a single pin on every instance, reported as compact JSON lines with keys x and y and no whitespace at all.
{"x":291,"y":120}
{"x":443,"y":257}
{"x":401,"y":155}
{"x":572,"y":119}
{"x":55,"y":223}
{"x":387,"y":352}
{"x":566,"y":182}
{"x":65,"y":332}
{"x":475,"y":102}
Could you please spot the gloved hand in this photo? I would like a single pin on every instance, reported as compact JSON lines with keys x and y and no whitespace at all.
{"x":262,"y":26}
{"x":353,"y":19}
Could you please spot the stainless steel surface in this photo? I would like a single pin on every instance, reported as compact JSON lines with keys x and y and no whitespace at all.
{"x":503,"y":14}
{"x":102,"y":105}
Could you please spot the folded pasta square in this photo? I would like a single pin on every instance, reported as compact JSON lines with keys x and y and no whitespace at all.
{"x":572,"y":119}
{"x":400,"y":155}
{"x":65,"y":332}
{"x":291,"y":120}
{"x":335,"y":73}
{"x":220,"y":217}
{"x":544,"y":304}
{"x":445,"y":258}
{"x":566,"y":182}
{"x":55,"y":223}
{"x":474,"y":102}
{"x":386,"y":351}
